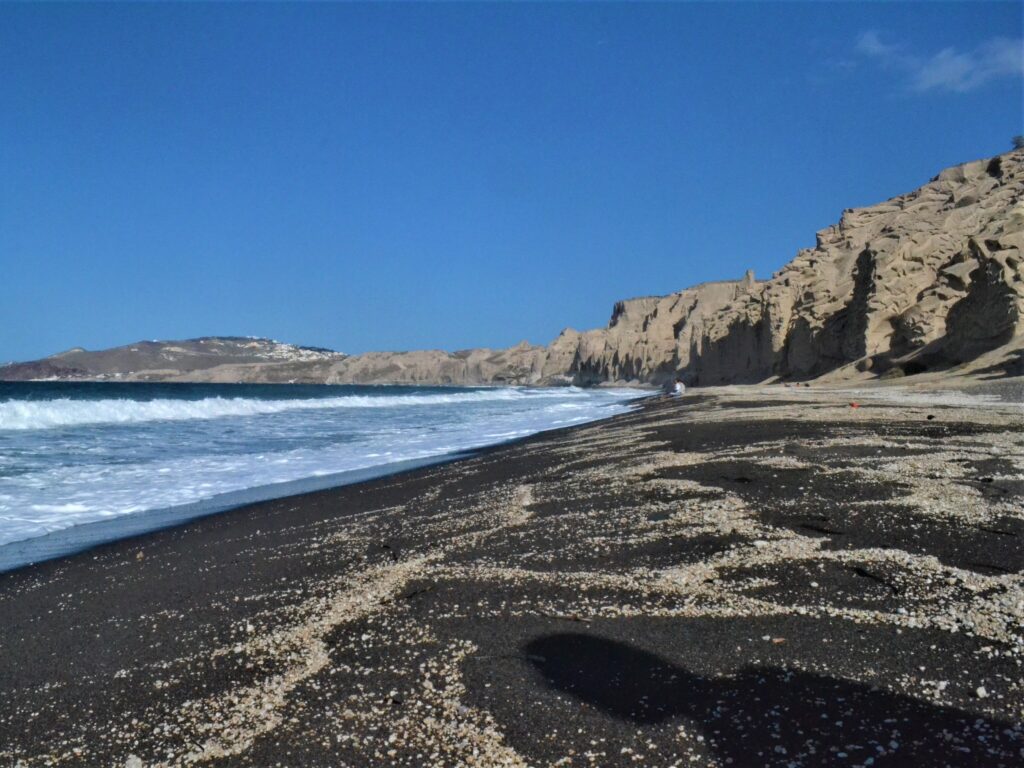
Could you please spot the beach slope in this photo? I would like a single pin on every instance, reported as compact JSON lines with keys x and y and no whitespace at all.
{"x":744,"y":577}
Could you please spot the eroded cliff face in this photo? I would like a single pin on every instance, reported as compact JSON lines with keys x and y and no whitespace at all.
{"x":929,"y":280}
{"x":650,"y":339}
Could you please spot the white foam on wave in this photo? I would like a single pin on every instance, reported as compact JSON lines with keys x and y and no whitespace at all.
{"x":52,"y":481}
{"x":65,"y":412}
{"x":59,"y":508}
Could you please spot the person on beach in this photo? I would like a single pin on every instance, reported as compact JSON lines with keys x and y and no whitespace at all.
{"x":679,"y":388}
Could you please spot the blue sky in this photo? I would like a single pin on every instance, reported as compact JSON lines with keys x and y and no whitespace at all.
{"x":403,"y":176}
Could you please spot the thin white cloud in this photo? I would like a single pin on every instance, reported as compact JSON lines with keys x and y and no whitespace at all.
{"x":949,"y":69}
{"x":870,"y":44}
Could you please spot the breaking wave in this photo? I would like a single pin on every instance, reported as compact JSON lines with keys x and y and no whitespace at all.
{"x":66,"y":412}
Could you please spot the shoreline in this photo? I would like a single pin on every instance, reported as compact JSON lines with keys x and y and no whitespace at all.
{"x":655,"y":588}
{"x":82,"y":537}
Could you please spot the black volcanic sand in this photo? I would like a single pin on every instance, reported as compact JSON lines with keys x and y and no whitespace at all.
{"x":725,"y":579}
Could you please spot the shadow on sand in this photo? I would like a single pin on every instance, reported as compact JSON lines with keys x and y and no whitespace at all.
{"x":771,"y":716}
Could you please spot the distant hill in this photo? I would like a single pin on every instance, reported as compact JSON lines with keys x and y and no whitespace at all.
{"x":932,"y":280}
{"x":173,"y":360}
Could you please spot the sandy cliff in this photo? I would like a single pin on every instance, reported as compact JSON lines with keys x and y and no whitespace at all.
{"x":651,"y":339}
{"x":927,"y":281}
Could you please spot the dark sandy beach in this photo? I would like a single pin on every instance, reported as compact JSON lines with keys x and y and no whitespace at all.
{"x":754,"y":578}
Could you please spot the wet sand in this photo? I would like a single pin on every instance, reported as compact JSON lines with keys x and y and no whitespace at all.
{"x":745,"y":578}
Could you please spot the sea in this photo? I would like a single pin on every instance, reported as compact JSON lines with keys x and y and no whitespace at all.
{"x":85,"y":463}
